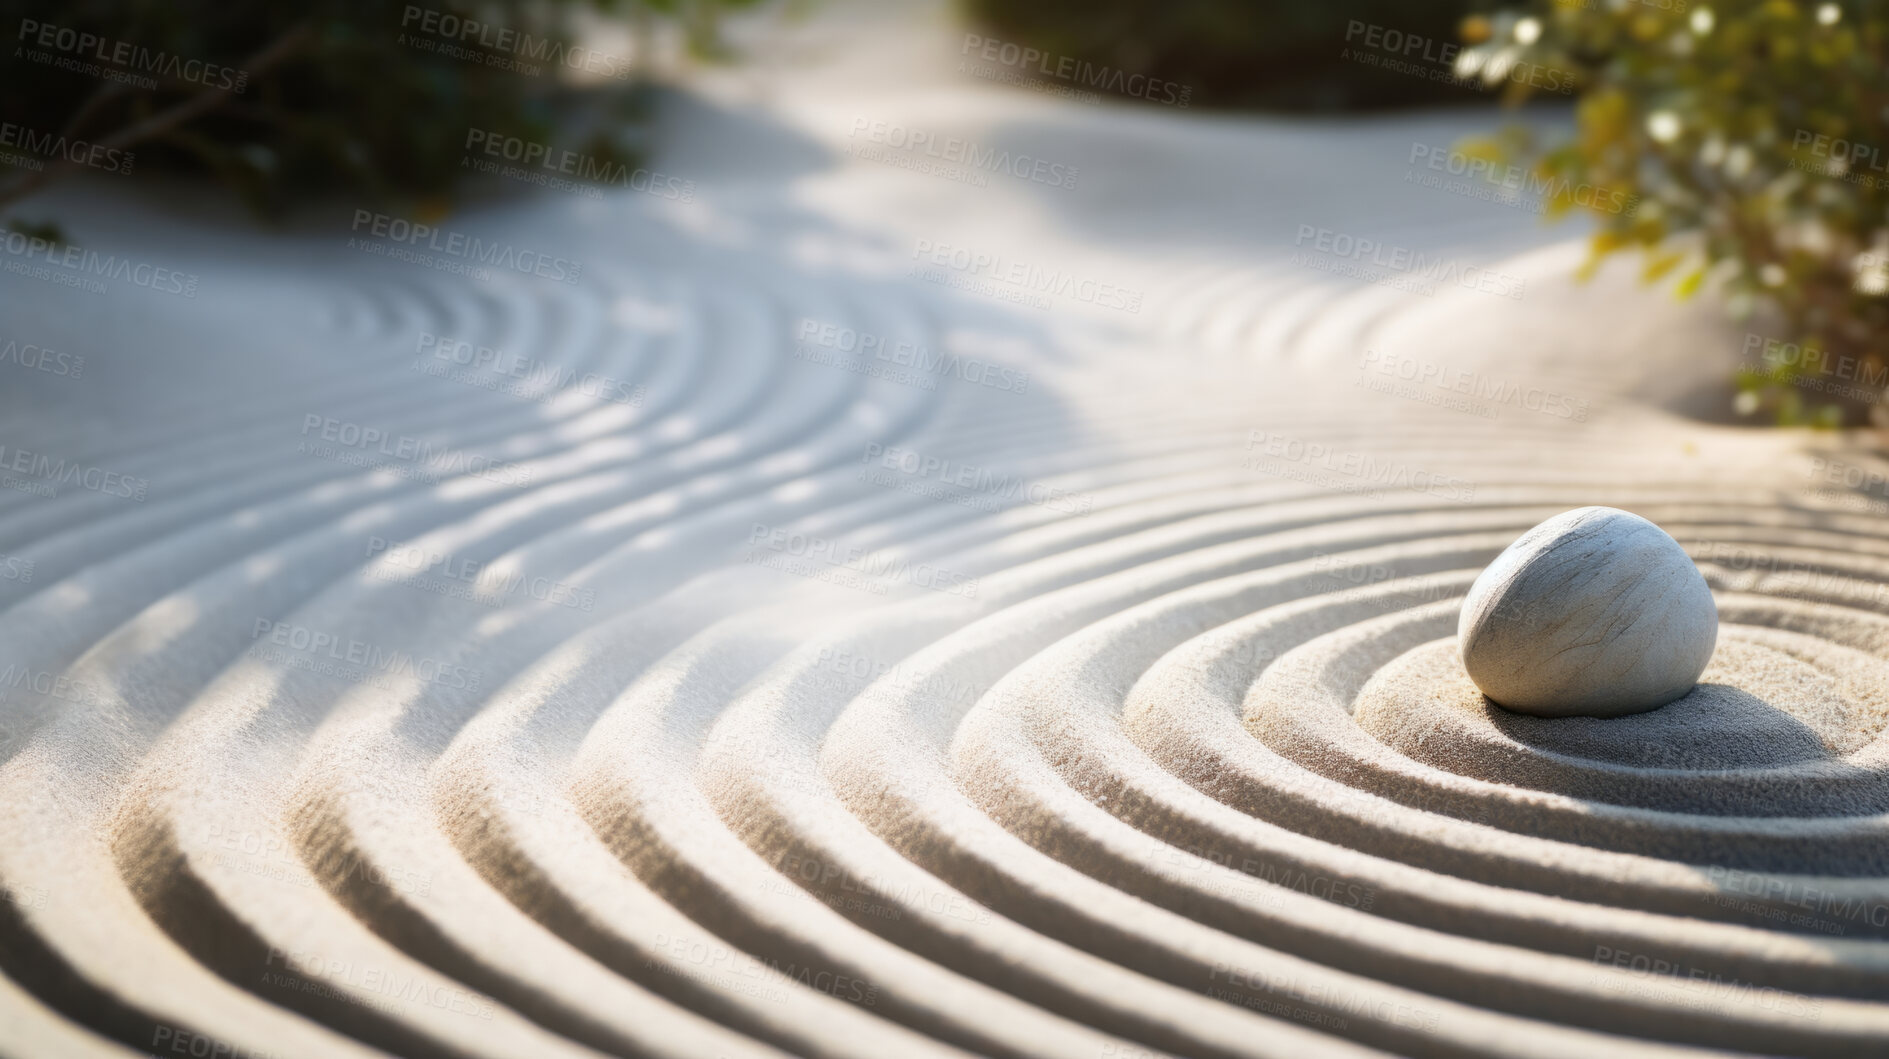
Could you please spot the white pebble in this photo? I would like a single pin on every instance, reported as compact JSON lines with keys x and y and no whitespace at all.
{"x":1594,"y":612}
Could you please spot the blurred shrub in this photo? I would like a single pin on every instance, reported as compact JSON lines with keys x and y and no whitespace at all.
{"x":279,"y":101}
{"x":1753,"y":135}
{"x":1271,"y":53}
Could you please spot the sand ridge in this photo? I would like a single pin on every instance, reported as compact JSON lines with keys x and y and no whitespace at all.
{"x":804,"y":706}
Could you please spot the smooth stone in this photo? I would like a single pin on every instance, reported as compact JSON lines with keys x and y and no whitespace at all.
{"x":1595,"y":612}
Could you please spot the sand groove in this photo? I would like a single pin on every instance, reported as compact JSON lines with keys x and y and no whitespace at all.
{"x":712,"y":731}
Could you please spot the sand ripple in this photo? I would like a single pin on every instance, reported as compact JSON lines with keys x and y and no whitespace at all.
{"x":690,"y":725}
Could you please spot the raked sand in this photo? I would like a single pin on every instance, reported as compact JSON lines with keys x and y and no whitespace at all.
{"x":751,"y":697}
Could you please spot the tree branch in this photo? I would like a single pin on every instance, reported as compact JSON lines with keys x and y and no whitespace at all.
{"x":163,"y":121}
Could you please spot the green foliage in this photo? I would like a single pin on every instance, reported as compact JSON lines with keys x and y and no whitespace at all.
{"x":1753,"y":138}
{"x":1290,"y":55}
{"x":47,"y":230}
{"x":283,"y":101}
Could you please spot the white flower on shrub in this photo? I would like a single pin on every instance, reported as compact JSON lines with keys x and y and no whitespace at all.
{"x":1869,"y":270}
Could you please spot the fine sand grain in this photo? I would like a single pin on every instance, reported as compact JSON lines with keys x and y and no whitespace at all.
{"x":790,"y":700}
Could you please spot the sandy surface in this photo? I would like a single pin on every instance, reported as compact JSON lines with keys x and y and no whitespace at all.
{"x":731,"y":694}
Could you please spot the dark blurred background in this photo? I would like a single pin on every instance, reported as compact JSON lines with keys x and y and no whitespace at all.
{"x":1277,"y":56}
